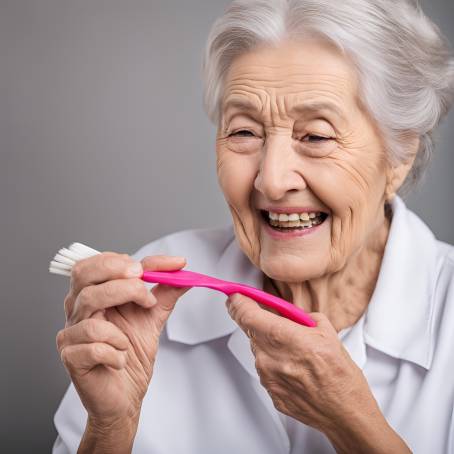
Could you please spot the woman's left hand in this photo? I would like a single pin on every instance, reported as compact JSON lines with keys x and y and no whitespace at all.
{"x":309,"y":374}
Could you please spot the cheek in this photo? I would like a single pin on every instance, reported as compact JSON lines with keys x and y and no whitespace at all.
{"x":236,"y":175}
{"x":353,"y":188}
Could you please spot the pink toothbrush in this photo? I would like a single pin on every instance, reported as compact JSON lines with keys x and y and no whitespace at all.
{"x":67,"y":257}
{"x":184,"y":278}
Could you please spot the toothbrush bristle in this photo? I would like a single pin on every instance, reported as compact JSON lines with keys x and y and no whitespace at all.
{"x":65,"y":258}
{"x":70,"y":254}
{"x":60,"y":266}
{"x":62,"y":259}
{"x":57,"y":271}
{"x":83,"y":249}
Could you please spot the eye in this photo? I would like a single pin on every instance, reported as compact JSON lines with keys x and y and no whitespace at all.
{"x":242,"y":133}
{"x":314,"y":139}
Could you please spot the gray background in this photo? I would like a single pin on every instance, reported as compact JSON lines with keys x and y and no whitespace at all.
{"x":103,"y":140}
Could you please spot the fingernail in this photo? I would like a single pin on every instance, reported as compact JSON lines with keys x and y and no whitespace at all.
{"x":135,"y":270}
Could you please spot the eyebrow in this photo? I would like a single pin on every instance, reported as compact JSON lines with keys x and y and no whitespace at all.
{"x":308,"y":107}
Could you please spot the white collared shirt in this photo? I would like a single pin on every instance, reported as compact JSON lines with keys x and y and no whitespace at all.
{"x":205,"y":396}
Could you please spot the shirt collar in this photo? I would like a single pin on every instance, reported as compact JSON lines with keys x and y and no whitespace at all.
{"x":398,"y":320}
{"x":200,"y":315}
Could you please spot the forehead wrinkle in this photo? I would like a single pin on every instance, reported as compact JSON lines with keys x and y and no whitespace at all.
{"x":277,"y":116}
{"x":242,"y":101}
{"x":280,"y":105}
{"x":332,"y":88}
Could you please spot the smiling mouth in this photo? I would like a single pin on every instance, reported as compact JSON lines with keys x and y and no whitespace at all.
{"x":293,"y":221}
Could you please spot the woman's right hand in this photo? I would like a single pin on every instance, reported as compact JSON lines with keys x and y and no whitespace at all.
{"x":113,"y":324}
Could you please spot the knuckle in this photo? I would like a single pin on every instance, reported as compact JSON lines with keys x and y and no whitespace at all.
{"x":89,"y":328}
{"x":276,"y":335}
{"x":109,"y":290}
{"x":85,"y":298}
{"x":97,"y":351}
{"x":260,"y":362}
{"x":112,"y":264}
{"x":243,"y":316}
{"x":76,"y":272}
{"x":289,"y":369}
{"x":59,"y":339}
{"x":65,"y":358}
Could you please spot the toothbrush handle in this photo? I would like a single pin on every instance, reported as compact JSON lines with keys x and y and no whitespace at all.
{"x":189,"y":279}
{"x":285,"y":308}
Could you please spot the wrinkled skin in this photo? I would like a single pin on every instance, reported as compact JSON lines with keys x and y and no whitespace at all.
{"x":330,"y":158}
{"x":110,"y":341}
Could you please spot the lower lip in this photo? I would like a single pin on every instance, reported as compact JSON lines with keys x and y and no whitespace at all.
{"x":291,"y":234}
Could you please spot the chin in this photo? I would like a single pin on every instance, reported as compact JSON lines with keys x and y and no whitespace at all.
{"x":290,"y":269}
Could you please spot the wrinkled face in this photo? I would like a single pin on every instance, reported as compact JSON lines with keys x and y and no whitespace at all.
{"x":301,"y":163}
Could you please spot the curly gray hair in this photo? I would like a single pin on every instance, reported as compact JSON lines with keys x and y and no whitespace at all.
{"x":404,"y":63}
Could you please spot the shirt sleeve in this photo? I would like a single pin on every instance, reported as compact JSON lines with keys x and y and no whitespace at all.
{"x":70,"y":421}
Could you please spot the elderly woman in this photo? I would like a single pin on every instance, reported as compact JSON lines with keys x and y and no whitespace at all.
{"x":324,"y":111}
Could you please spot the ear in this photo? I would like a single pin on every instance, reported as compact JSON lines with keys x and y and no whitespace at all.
{"x":396,"y":174}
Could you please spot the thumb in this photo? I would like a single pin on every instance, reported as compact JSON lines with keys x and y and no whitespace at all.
{"x":165,"y":295}
{"x":163,"y":263}
{"x":166,"y":299}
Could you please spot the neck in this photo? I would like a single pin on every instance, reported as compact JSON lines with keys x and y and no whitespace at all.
{"x":342,"y":296}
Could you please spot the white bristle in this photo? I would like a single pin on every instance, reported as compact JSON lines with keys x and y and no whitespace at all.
{"x":62,"y":259}
{"x":61,"y":266}
{"x":65,"y":258}
{"x":70,"y":254}
{"x":80,"y":248}
{"x":57,"y":271}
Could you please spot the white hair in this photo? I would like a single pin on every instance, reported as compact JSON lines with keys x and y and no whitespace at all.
{"x":404,"y":63}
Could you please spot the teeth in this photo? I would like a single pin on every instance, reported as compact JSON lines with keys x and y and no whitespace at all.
{"x":284,"y":217}
{"x":292,"y":220}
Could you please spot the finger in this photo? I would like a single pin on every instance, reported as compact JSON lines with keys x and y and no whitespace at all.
{"x":322,"y":321}
{"x":163,"y":262}
{"x":92,"y":330}
{"x":101,"y":268}
{"x":110,"y":294}
{"x":263,"y":326}
{"x":83,"y":357}
{"x":166,"y":297}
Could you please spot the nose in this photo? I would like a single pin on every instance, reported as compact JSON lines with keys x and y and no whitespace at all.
{"x":278,"y":173}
